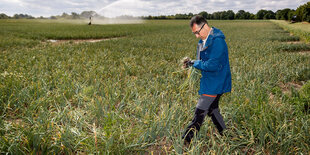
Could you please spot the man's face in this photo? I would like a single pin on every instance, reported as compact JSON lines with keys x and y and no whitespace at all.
{"x":199,"y":30}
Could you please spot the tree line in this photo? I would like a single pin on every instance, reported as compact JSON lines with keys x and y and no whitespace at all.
{"x":73,"y":15}
{"x":302,"y":13}
{"x":16,"y":16}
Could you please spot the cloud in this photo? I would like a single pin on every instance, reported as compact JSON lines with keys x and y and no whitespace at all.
{"x":126,"y":7}
{"x":112,"y":8}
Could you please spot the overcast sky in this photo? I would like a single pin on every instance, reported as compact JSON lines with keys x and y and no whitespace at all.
{"x":112,"y":8}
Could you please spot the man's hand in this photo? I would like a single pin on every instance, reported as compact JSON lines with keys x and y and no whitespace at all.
{"x":190,"y":63}
{"x":187,"y":62}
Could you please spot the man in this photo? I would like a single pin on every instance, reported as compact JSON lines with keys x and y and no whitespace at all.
{"x":212,"y":61}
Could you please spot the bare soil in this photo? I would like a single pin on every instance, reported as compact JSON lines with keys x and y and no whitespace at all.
{"x":53,"y":41}
{"x":286,"y":87}
{"x":306,"y":53}
{"x":294,"y":42}
{"x":163,"y":147}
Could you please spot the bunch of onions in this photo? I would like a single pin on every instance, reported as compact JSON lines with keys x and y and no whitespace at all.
{"x":192,"y":75}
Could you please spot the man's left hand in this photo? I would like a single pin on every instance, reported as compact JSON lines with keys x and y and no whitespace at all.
{"x":187,"y":62}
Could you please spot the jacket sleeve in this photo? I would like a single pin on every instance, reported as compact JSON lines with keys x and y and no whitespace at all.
{"x":217,"y":54}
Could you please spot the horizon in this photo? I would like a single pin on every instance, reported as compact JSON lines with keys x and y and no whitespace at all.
{"x":139,"y":8}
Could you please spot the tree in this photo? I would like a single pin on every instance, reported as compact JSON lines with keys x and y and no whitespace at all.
{"x":241,"y":14}
{"x":4,"y":16}
{"x":204,"y":14}
{"x":16,"y":16}
{"x":87,"y":14}
{"x":190,"y":15}
{"x":291,"y":14}
{"x":216,"y":15}
{"x":303,"y":12}
{"x":22,"y":16}
{"x":282,"y":14}
{"x":252,"y":16}
{"x":269,"y":15}
{"x":65,"y":15}
{"x":223,"y":15}
{"x":75,"y":15}
{"x":278,"y":14}
{"x":230,"y":14}
{"x":261,"y":14}
{"x":184,"y":16}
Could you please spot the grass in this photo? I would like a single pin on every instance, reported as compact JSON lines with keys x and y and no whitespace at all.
{"x":298,"y":29}
{"x":125,"y":95}
{"x":285,"y":38}
{"x":294,"y":47}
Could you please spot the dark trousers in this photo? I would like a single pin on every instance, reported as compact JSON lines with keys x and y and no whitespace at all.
{"x":205,"y":106}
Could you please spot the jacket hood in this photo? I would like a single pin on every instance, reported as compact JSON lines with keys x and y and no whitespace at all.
{"x":217,"y":33}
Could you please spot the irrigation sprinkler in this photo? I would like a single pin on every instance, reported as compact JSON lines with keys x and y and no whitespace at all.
{"x":89,"y":21}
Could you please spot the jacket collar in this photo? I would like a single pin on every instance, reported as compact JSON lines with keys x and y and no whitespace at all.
{"x":213,"y":34}
{"x":208,"y":42}
{"x":210,"y":38}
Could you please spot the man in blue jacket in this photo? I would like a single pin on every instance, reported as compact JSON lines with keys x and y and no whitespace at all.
{"x":212,"y":61}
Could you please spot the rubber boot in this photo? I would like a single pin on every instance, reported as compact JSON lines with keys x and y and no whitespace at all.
{"x":194,"y":126}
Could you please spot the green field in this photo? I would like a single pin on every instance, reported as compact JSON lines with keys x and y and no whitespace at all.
{"x":300,"y":29}
{"x":124,"y":95}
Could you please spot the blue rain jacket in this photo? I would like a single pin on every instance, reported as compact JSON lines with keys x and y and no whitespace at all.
{"x":212,"y":60}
